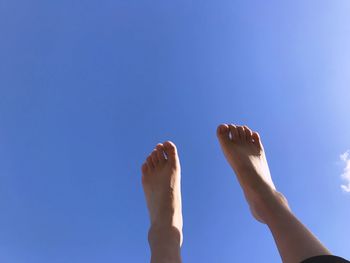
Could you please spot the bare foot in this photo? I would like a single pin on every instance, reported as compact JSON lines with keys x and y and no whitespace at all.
{"x":245,"y":153}
{"x":161,"y":183}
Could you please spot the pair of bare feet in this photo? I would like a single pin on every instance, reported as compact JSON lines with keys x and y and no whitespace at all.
{"x":244,"y":152}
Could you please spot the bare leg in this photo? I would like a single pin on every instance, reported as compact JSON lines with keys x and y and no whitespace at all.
{"x":245,"y":153}
{"x":161,"y":184}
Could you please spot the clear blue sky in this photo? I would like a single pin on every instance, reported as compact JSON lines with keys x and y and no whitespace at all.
{"x":87,"y":88}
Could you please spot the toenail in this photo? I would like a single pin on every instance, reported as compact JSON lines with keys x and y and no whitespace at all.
{"x":223,"y":128}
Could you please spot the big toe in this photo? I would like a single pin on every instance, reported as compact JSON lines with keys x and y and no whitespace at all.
{"x":170,"y":151}
{"x":223,"y":134}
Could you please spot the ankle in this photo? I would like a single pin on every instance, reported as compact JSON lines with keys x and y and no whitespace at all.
{"x":270,"y":205}
{"x":164,"y":235}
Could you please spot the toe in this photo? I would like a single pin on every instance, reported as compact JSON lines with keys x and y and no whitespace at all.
{"x":150,"y":162}
{"x":160,"y":152}
{"x":222,"y":129}
{"x":144,"y":168}
{"x":170,"y":150}
{"x":234,"y":132}
{"x":248,"y":133}
{"x":256,"y":138}
{"x":223,"y":133}
{"x":145,"y":173}
{"x":241,"y":133}
{"x":154,"y":157}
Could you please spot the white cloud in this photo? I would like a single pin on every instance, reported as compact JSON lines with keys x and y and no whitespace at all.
{"x":345,"y":157}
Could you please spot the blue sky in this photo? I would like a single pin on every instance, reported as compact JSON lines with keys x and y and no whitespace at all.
{"x":87,"y":88}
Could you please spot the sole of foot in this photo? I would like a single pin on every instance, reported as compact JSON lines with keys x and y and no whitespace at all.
{"x":245,"y":153}
{"x":161,"y":180}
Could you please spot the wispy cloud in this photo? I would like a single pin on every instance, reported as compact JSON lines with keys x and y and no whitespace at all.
{"x":345,"y":157}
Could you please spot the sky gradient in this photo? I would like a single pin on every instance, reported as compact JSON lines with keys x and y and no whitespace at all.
{"x":88,"y":88}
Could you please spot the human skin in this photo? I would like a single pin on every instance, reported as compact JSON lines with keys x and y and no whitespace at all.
{"x":243,"y":149}
{"x":245,"y":153}
{"x":161,"y":178}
